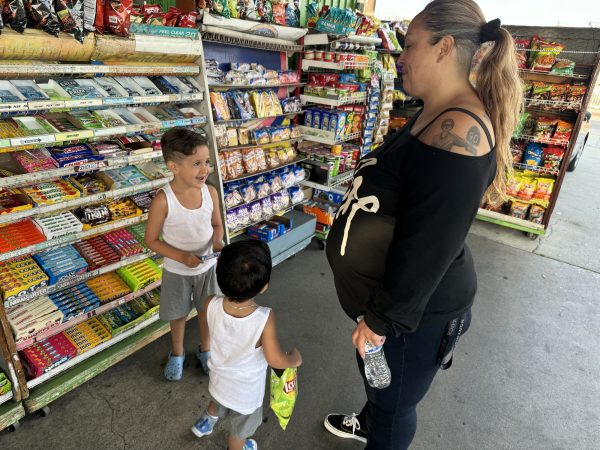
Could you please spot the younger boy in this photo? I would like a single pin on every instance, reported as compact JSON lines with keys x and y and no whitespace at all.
{"x":242,"y":339}
{"x":186,"y":212}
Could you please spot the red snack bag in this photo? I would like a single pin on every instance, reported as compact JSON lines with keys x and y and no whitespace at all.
{"x":553,"y":157}
{"x":522,"y":46}
{"x":117,"y":16}
{"x":99,"y":21}
{"x":563,"y":131}
{"x":171,"y":18}
{"x":154,"y":18}
{"x":188,"y":20}
{"x":150,"y":9}
{"x":279,"y":13}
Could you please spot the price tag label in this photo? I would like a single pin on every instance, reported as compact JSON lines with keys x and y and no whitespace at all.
{"x":110,"y":131}
{"x":75,"y":135}
{"x":43,"y":139}
{"x":94,"y":165}
{"x":43,"y":104}
{"x":117,"y":100}
{"x":8,"y":107}
{"x":83,"y":103}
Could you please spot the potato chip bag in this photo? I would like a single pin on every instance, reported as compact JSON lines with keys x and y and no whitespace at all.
{"x":284,"y":390}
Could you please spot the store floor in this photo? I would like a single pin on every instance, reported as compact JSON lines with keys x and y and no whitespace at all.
{"x":525,"y":376}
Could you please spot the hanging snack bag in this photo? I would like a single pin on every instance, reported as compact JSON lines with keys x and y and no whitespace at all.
{"x":232,"y":5}
{"x":513,"y":185}
{"x":522,"y":46}
{"x":563,"y":131}
{"x":171,"y":17}
{"x":536,"y":214}
{"x":203,"y":4}
{"x":527,"y":85}
{"x":544,"y":54}
{"x":155,"y":19}
{"x":292,"y":14}
{"x":528,"y":186}
{"x":242,"y":104}
{"x":42,"y":16}
{"x":266,"y":11}
{"x":553,"y":156}
{"x":558,"y":92}
{"x":13,"y":14}
{"x":576,"y":93}
{"x":70,"y":15}
{"x":188,"y":20}
{"x":521,"y":124}
{"x":252,"y":10}
{"x":117,"y":16}
{"x":279,"y":13}
{"x":563,"y":67}
{"x":284,"y":390}
{"x":540,"y":91}
{"x":545,"y":128}
{"x":222,"y":166}
{"x":534,"y":153}
{"x":219,"y":106}
{"x":221,"y":8}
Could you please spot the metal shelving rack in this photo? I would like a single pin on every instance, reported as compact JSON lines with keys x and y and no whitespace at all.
{"x":582,"y":46}
{"x":32,"y":395}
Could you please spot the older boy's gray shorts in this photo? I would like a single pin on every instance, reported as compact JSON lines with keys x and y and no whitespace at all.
{"x":178,"y":293}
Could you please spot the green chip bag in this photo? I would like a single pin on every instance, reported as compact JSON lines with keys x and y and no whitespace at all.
{"x":284,"y":389}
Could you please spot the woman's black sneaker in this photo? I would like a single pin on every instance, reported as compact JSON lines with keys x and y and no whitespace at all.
{"x":346,"y":426}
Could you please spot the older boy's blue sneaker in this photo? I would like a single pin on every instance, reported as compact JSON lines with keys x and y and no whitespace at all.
{"x":205,"y":425}
{"x":250,"y":445}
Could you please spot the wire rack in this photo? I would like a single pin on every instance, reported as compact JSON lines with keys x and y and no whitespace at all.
{"x":249,"y":43}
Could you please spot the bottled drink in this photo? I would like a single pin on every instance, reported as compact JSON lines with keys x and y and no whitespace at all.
{"x":377,"y":371}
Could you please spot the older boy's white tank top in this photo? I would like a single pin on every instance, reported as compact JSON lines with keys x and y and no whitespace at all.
{"x":237,"y":367}
{"x":189,"y":230}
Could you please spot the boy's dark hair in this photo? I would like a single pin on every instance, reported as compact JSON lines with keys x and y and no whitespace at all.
{"x":180,"y":142}
{"x":244,"y":269}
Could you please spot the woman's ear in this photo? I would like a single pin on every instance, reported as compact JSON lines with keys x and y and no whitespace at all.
{"x":446,"y":45}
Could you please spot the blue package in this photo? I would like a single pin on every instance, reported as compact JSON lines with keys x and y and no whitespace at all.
{"x":534,"y":153}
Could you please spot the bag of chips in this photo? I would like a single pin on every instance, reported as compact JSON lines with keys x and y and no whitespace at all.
{"x":284,"y":390}
{"x":70,"y":15}
{"x":558,"y":93}
{"x":522,"y":46}
{"x":540,"y":91}
{"x":171,"y":17}
{"x":13,"y":14}
{"x":544,"y":54}
{"x":188,"y":20}
{"x":534,"y":153}
{"x":292,"y":14}
{"x":519,"y":210}
{"x":221,"y":7}
{"x":279,"y":13}
{"x":528,"y":186}
{"x":575,"y":94}
{"x":563,"y":131}
{"x":545,"y":128}
{"x":117,"y":16}
{"x":536,"y":214}
{"x":543,"y":189}
{"x":42,"y":16}
{"x":521,"y":124}
{"x":553,"y":156}
{"x":563,"y":67}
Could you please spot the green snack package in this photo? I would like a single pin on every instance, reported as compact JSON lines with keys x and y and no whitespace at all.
{"x":284,"y":390}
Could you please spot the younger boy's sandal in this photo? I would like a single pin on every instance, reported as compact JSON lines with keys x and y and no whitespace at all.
{"x":203,"y":358}
{"x":174,"y":367}
{"x":250,"y":445}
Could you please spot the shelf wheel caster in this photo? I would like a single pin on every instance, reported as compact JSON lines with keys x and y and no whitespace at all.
{"x":45,"y":411}
{"x":532,"y":236}
{"x":321,"y":244}
{"x":14,"y":427}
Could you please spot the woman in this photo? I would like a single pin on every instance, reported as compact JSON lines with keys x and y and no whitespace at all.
{"x":397,"y":246}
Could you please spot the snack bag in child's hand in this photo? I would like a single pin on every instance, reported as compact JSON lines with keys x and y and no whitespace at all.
{"x":284,"y":390}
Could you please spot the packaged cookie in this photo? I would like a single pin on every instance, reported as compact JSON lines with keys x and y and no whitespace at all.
{"x":222,"y":167}
{"x":255,"y":210}
{"x":249,"y":159}
{"x":261,"y":161}
{"x":267,"y":208}
{"x":220,"y":108}
{"x":233,"y":161}
{"x":243,"y":136}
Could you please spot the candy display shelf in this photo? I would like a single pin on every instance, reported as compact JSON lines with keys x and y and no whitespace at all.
{"x":6,"y":397}
{"x":82,"y":201}
{"x":47,"y":175}
{"x":18,"y":143}
{"x":72,"y":281}
{"x":326,"y":137}
{"x":85,"y":316}
{"x":257,"y":120}
{"x":73,"y":373}
{"x":556,"y":105}
{"x":36,"y":106}
{"x":535,"y":169}
{"x":548,"y":75}
{"x":71,"y":238}
{"x":237,"y":87}
{"x":510,"y":222}
{"x":262,"y":172}
{"x":352,"y":99}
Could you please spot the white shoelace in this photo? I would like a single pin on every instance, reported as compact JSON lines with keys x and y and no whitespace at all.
{"x":351,"y":421}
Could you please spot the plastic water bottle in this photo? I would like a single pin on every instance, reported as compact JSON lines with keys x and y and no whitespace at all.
{"x":376,"y":368}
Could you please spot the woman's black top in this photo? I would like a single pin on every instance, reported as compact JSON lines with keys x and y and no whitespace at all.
{"x":397,"y":245}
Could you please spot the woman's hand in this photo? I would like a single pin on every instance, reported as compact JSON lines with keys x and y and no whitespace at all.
{"x":362,"y":334}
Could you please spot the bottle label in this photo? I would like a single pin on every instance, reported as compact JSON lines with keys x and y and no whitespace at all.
{"x":370,"y":348}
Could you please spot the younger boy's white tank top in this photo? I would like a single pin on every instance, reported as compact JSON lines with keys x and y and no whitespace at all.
{"x":237,"y":367}
{"x":189,"y":230}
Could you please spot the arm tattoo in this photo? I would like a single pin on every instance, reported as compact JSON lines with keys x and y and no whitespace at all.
{"x":447,"y":139}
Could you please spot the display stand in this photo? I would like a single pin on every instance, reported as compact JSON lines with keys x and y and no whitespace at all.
{"x":133,"y":112}
{"x":581,"y":46}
